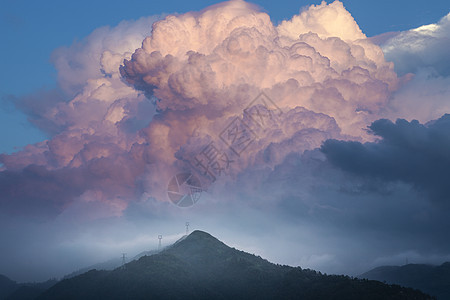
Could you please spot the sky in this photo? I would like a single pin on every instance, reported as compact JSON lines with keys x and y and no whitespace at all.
{"x":343,"y":160}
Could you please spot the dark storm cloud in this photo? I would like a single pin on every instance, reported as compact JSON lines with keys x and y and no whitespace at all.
{"x":39,"y":192}
{"x":342,"y":220}
{"x":410,"y":152}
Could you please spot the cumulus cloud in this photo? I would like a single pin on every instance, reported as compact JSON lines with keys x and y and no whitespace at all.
{"x":331,"y":20}
{"x":423,"y":47}
{"x":202,"y":71}
{"x":99,"y":54}
{"x":421,"y":55}
{"x":91,"y":134}
{"x":205,"y":68}
{"x":251,"y":52}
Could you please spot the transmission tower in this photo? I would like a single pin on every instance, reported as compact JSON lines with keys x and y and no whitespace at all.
{"x":159,"y":245}
{"x":187,"y":228}
{"x":124,"y":258}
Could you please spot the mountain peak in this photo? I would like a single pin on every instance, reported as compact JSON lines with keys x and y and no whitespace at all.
{"x":199,"y":238}
{"x":199,"y":266}
{"x":200,"y":235}
{"x":199,"y":246}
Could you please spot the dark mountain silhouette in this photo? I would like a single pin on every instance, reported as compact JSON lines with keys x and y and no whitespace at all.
{"x":201,"y":267}
{"x":434,"y":280}
{"x":7,"y":286}
{"x":12,"y":290}
{"x":108,"y":265}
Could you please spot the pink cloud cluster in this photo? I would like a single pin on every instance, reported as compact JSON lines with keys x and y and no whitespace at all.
{"x":200,"y":71}
{"x":92,"y":134}
{"x":205,"y":68}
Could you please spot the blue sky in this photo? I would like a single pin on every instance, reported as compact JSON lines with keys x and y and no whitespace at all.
{"x":31,"y":30}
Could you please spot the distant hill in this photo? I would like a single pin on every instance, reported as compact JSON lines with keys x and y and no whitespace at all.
{"x":201,"y":267}
{"x":12,"y":290}
{"x":108,"y":265}
{"x":434,"y":280}
{"x":7,"y":286}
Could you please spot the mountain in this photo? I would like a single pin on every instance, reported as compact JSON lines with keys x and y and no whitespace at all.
{"x":29,"y":291}
{"x":7,"y":286}
{"x":201,"y":267}
{"x":108,"y":265}
{"x":434,"y":280}
{"x":12,"y":290}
